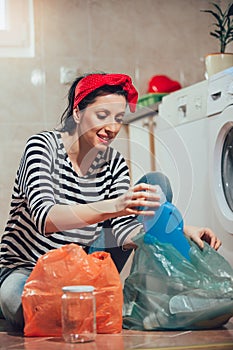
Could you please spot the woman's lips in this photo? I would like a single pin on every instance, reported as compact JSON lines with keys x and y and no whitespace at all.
{"x":104,"y":138}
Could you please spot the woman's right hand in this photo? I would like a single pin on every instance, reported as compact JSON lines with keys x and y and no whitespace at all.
{"x":138,"y":196}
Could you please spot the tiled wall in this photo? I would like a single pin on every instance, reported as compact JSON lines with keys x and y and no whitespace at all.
{"x":138,"y":37}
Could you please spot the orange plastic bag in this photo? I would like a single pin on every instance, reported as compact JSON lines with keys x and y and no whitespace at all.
{"x":70,"y":265}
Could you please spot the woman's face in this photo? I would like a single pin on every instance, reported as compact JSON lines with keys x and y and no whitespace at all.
{"x":100,"y":122}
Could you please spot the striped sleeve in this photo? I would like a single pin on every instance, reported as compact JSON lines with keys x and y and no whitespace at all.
{"x":34,"y":179}
{"x":122,"y":226}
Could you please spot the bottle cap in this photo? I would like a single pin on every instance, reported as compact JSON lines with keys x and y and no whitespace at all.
{"x":78,"y":289}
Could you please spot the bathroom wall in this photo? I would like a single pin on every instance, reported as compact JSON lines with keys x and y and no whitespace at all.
{"x":138,"y":37}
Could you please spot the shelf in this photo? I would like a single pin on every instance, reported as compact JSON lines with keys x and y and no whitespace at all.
{"x":142,"y":112}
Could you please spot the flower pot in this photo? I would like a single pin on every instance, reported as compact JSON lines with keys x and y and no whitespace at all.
{"x":216,"y":62}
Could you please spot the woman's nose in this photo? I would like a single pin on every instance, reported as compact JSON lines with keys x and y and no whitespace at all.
{"x":112,"y":127}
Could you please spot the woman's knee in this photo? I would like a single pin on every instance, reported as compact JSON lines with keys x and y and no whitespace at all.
{"x":158,"y":178}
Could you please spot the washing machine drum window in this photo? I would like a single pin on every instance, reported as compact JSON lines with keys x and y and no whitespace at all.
{"x":227,"y":168}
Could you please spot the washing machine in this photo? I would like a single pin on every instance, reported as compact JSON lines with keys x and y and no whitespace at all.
{"x":181,"y":150}
{"x":220,"y":139}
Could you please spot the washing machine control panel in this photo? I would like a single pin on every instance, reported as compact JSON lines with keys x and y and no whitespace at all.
{"x":185,"y":105}
{"x":220,"y":92}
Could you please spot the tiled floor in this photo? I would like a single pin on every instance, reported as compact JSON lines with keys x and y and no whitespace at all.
{"x":221,"y":339}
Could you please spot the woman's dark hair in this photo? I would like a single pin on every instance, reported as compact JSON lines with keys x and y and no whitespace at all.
{"x":67,"y":120}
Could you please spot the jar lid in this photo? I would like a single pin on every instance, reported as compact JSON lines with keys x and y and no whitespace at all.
{"x":78,"y":289}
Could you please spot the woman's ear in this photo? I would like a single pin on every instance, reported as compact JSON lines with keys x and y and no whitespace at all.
{"x":76,"y":115}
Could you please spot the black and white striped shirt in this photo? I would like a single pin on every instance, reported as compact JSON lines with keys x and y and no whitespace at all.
{"x":46,"y":177}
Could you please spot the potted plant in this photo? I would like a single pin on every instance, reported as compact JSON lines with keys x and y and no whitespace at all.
{"x":223,"y":31}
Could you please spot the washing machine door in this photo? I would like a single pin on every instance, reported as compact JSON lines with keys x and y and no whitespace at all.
{"x":227,"y":167}
{"x":222,"y":167}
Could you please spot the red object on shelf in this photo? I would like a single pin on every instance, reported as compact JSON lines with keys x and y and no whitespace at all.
{"x":162,"y":83}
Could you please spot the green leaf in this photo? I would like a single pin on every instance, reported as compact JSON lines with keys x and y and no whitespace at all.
{"x":223,"y":26}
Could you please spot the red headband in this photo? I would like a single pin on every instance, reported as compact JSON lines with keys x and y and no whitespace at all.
{"x":94,"y":81}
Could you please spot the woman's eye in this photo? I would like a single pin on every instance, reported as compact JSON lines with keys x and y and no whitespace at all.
{"x":119,"y":120}
{"x":101,"y":116}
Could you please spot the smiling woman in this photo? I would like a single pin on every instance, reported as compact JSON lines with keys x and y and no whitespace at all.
{"x":69,"y":182}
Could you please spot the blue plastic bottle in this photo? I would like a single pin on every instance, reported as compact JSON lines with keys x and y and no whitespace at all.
{"x":167,"y":226}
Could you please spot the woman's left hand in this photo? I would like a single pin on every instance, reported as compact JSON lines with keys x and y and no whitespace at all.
{"x":200,"y":234}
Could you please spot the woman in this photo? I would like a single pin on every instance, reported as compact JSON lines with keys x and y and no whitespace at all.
{"x":70,"y":182}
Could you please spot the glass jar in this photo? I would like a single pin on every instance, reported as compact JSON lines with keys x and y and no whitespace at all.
{"x":78,"y":314}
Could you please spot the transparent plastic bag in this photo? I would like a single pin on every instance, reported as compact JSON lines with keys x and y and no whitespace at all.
{"x":166,"y":291}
